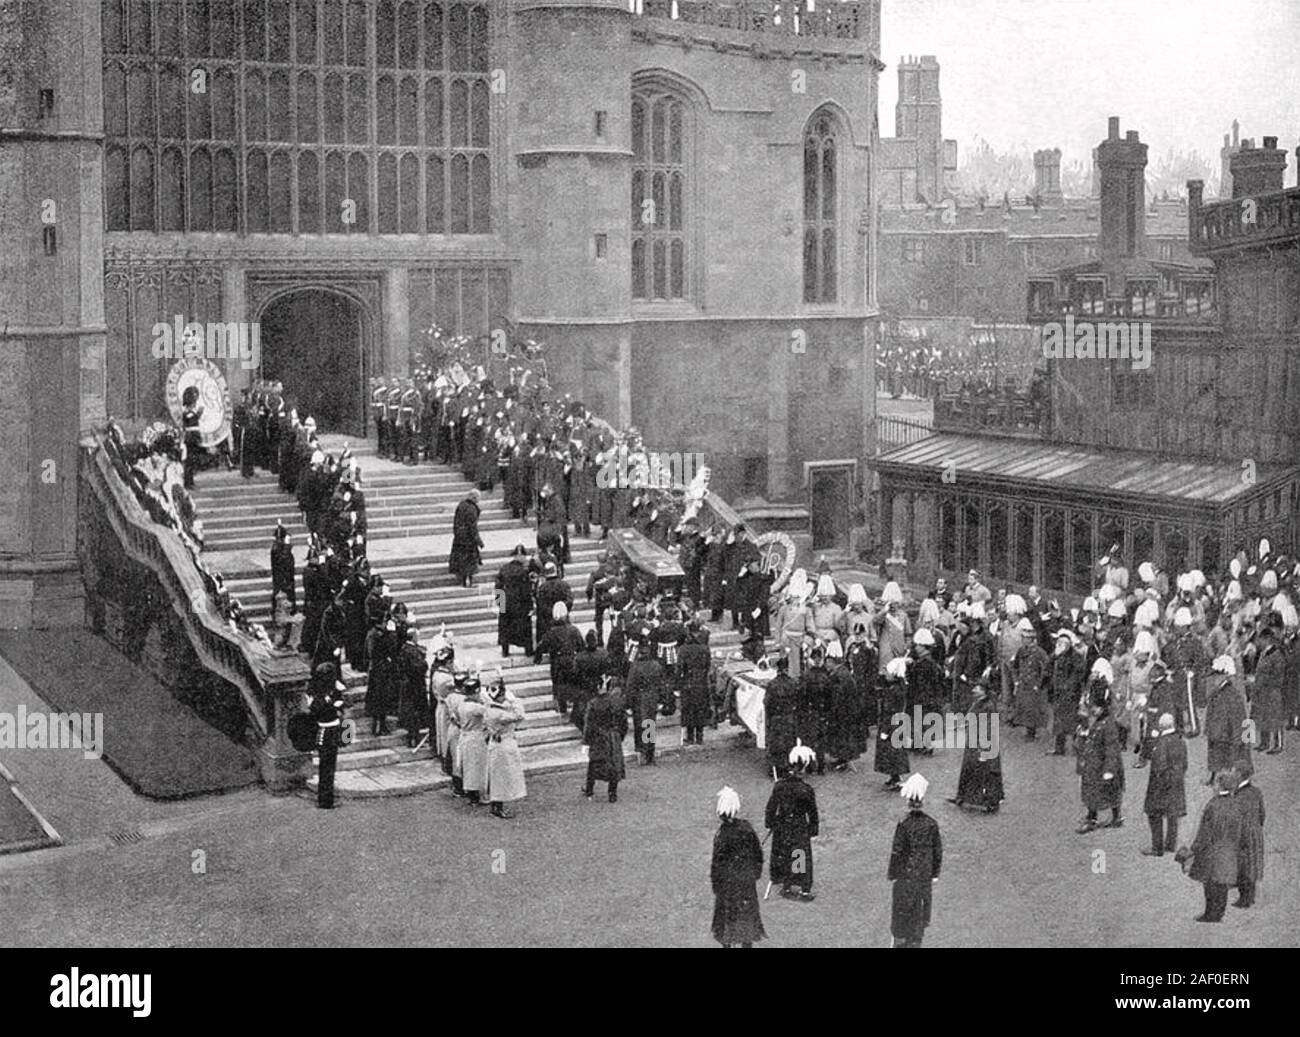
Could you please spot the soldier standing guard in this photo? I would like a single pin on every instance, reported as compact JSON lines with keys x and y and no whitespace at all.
{"x":392,"y":413}
{"x":327,"y":710}
{"x":914,"y":863}
{"x":378,"y":396}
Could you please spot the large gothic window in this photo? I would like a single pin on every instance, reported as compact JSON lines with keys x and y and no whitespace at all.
{"x":659,"y":179}
{"x":298,"y":116}
{"x":820,"y":210}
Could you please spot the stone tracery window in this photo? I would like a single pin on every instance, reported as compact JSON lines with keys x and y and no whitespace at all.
{"x":820,"y":209}
{"x":229,"y":115}
{"x":659,"y":181}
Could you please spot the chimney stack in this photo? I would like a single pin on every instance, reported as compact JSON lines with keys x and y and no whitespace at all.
{"x":1047,"y":176}
{"x":1231,"y":145}
{"x":1258,"y":171}
{"x":1122,"y":162}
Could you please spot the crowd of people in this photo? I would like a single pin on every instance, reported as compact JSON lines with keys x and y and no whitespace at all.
{"x":154,"y":467}
{"x":908,"y":365}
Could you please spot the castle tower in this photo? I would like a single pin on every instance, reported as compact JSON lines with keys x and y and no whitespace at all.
{"x":1047,"y":176}
{"x":918,"y":116}
{"x":569,"y":124}
{"x":51,"y":297}
{"x":1122,"y":164}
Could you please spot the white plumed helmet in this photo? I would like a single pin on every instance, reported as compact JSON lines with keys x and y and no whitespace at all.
{"x":857,"y":594}
{"x":1015,"y":605}
{"x":914,"y":789}
{"x":928,"y":612}
{"x":1101,"y":668}
{"x":801,"y":755}
{"x":1117,"y":610}
{"x":1145,"y":642}
{"x":1225,"y":664}
{"x":924,"y":637}
{"x":896,"y":667}
{"x":1146,"y":614}
{"x":976,"y":610}
{"x":728,"y":802}
{"x":892,"y":594}
{"x":825,"y":587}
{"x":1183,"y":617}
{"x":1147,"y":572}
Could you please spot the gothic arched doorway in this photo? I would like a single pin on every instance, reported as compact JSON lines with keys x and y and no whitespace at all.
{"x":313,"y":340}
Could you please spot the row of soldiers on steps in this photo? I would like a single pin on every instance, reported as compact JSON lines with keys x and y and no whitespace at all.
{"x":548,"y":454}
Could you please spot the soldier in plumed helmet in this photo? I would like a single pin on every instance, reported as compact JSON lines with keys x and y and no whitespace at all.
{"x":1100,"y":750}
{"x":891,"y":755}
{"x":327,"y":710}
{"x":736,"y":868}
{"x":791,"y":816}
{"x":914,"y":863}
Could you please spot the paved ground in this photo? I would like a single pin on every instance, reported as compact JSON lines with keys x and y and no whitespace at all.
{"x":905,"y":407}
{"x":247,"y":869}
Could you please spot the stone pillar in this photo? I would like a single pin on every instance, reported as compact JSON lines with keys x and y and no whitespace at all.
{"x":234,"y":308}
{"x":393,"y":354}
{"x":52,"y":335}
{"x":624,"y":376}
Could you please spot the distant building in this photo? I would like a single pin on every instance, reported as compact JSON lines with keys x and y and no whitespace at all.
{"x":1181,"y":461}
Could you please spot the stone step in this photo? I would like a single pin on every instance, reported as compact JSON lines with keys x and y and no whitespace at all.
{"x":425,"y":775}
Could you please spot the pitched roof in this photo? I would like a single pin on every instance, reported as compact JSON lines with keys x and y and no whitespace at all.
{"x":1127,"y":473}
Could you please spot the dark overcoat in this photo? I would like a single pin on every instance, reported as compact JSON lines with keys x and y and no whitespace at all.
{"x":735,"y":871}
{"x":1166,"y":785}
{"x":914,"y":863}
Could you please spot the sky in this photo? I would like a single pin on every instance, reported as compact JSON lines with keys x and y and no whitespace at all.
{"x":1048,"y":73}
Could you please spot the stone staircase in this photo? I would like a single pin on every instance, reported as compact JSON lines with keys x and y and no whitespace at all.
{"x":409,"y":513}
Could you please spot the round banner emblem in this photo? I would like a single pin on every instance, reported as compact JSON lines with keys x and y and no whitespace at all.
{"x":204,"y":375}
{"x":776,"y":553}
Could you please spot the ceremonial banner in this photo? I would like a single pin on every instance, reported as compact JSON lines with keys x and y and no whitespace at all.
{"x":750,"y":708}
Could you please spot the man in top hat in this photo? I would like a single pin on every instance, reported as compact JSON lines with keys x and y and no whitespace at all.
{"x":1166,"y":799}
{"x":696,"y":683}
{"x":791,"y":816}
{"x":1225,"y":716}
{"x":1266,"y":697}
{"x":327,"y":710}
{"x":603,"y":730}
{"x":514,"y":603}
{"x":411,"y":671}
{"x":813,"y":717}
{"x":1215,"y":851}
{"x":1249,"y":802}
{"x":1068,"y":675}
{"x":915,"y":859}
{"x":466,"y":543}
{"x":781,"y":706}
{"x":647,"y":683}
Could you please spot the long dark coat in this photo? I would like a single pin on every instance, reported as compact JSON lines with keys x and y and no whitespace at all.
{"x":647,"y":681}
{"x":1266,"y":698}
{"x":603,"y":730}
{"x":282,"y":572}
{"x":1249,"y":802}
{"x":515,"y":623}
{"x":1029,"y":667}
{"x":980,"y":781}
{"x":713,"y":592}
{"x":1101,"y":752}
{"x":925,"y":684}
{"x":411,"y":671}
{"x":914,"y":863}
{"x":1225,"y":712}
{"x":792,"y":816}
{"x":381,"y":682}
{"x":466,"y":544}
{"x":1218,"y":842}
{"x":1069,"y":671}
{"x":813,"y":716}
{"x":549,"y":591}
{"x":354,"y":594}
{"x":563,"y":643}
{"x":861,"y":660}
{"x":780,"y":705}
{"x":696,"y":664}
{"x":844,"y":735}
{"x":1166,"y":786}
{"x":889,"y":758}
{"x":736,"y":869}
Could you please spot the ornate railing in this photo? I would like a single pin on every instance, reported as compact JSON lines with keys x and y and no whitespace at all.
{"x":234,"y":657}
{"x":835,"y":19}
{"x":1262,"y":218}
{"x":1012,"y":413}
{"x":893,"y":431}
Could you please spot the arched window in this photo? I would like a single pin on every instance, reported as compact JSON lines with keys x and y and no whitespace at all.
{"x":820,"y":210}
{"x":660,"y":211}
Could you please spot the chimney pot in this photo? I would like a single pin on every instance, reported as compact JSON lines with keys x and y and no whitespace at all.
{"x":1270,"y":143}
{"x":1113,"y":133}
{"x":1131,"y":136}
